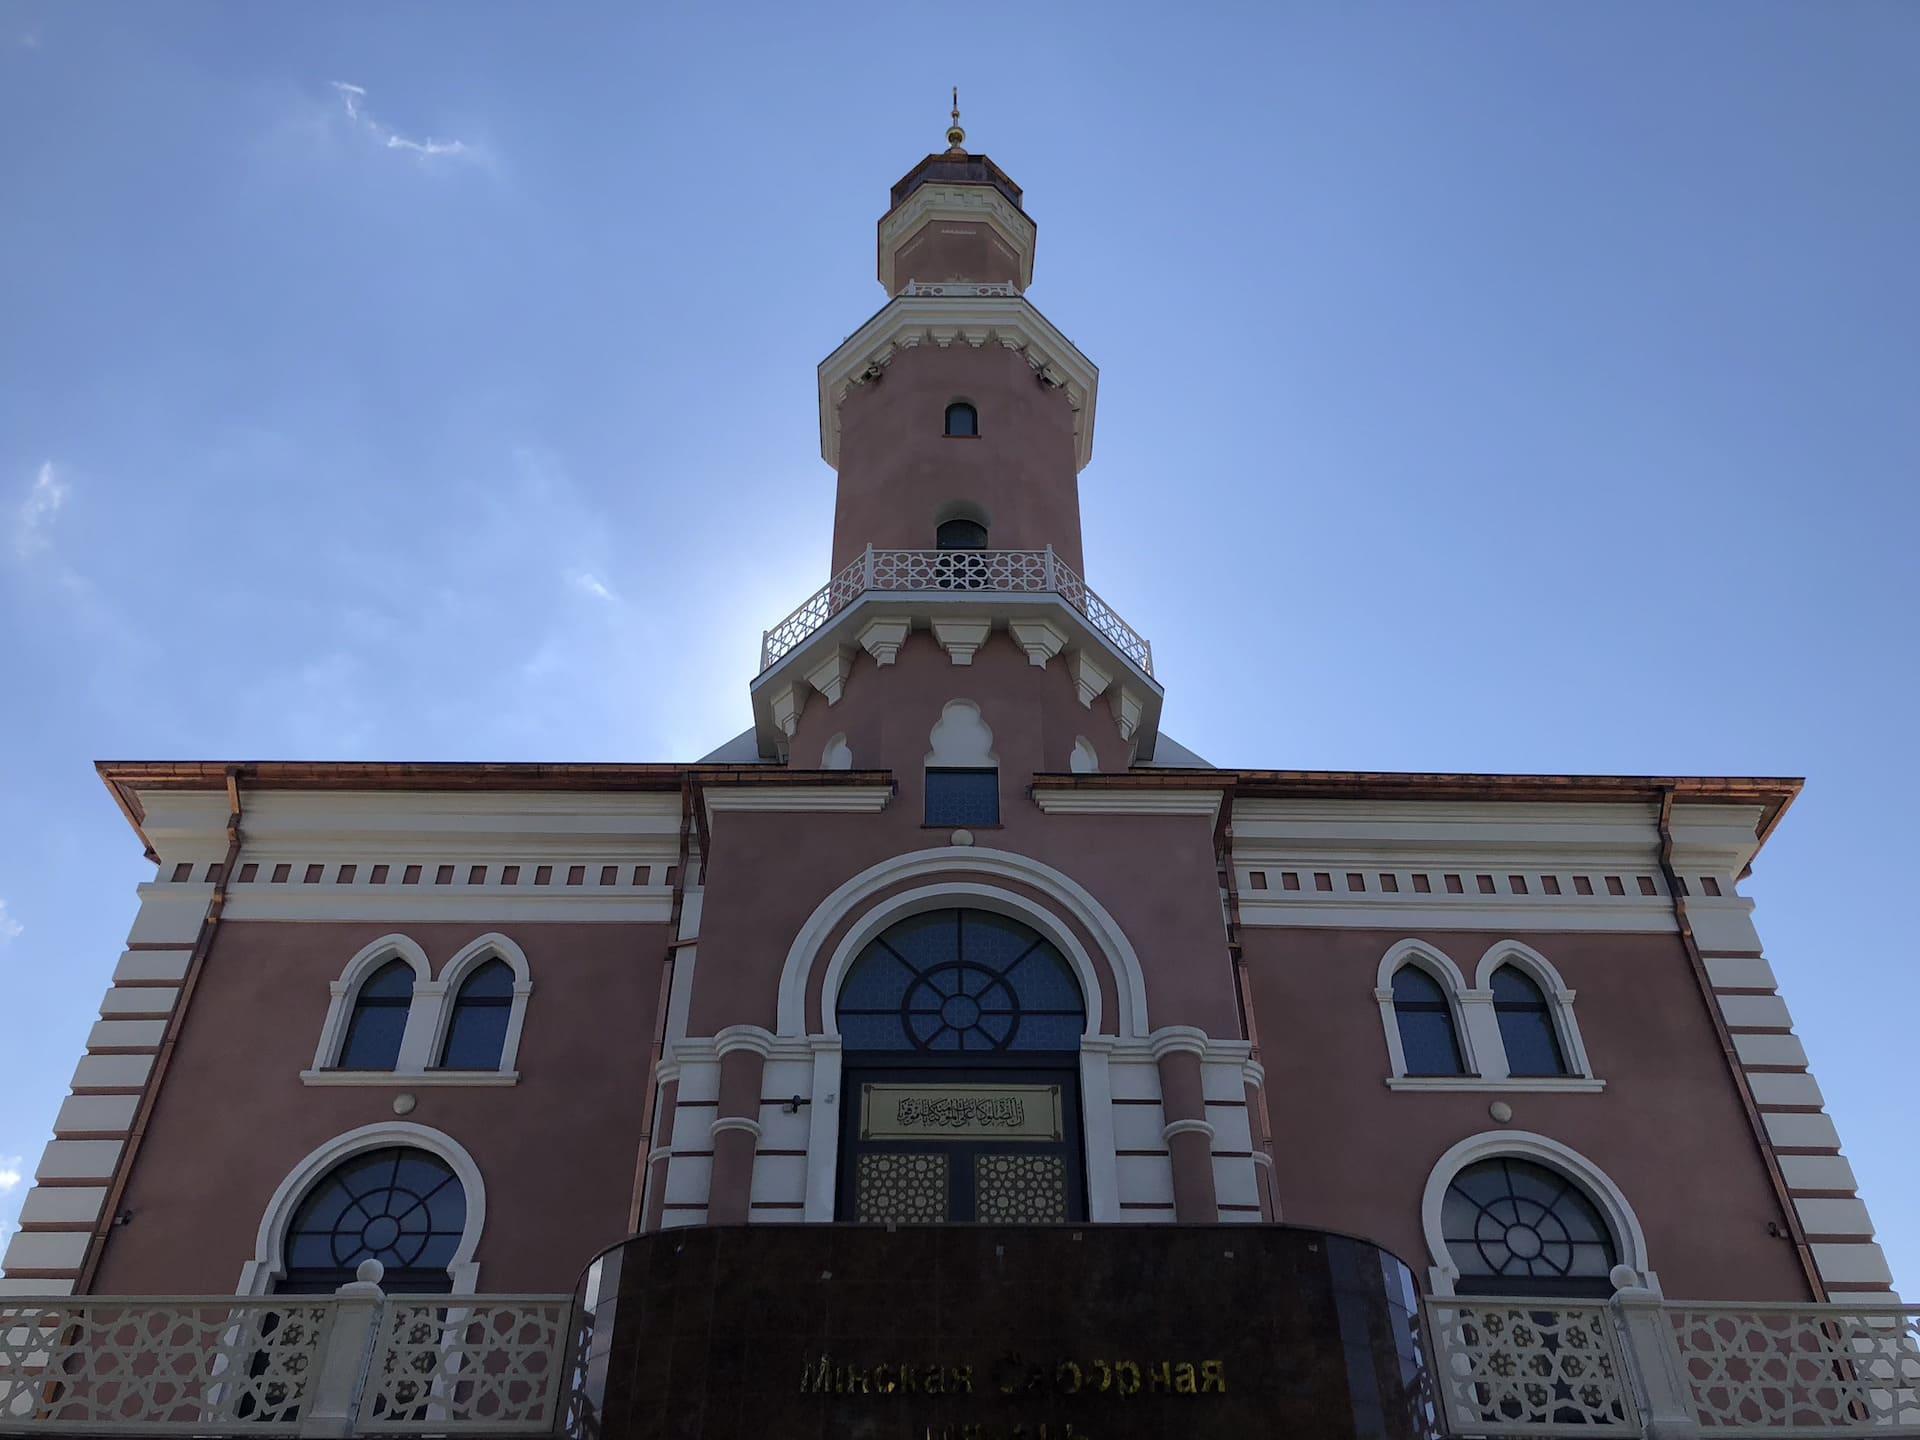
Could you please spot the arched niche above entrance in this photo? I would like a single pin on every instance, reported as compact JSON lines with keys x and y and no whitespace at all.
{"x":1058,"y":907}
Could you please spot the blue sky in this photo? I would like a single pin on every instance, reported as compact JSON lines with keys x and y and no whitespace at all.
{"x":1484,"y":387}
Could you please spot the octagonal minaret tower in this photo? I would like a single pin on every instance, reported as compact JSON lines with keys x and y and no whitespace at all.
{"x":958,"y":419}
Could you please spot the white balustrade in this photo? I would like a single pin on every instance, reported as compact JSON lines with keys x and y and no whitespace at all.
{"x":1808,"y":1370}
{"x":1529,"y":1367}
{"x":1674,"y":1370}
{"x":933,"y":572}
{"x":354,"y":1363}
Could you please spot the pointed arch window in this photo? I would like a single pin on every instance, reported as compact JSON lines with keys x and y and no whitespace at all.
{"x":963,"y":421}
{"x":477,"y":1023}
{"x":1527,"y":1030}
{"x":379,"y":1019}
{"x":1514,"y":1227}
{"x":1429,"y":1044}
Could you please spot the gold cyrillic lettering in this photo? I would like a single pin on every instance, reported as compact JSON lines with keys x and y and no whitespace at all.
{"x":816,"y":1379}
{"x":1067,"y":1377}
{"x":935,"y":1380}
{"x":1160,"y":1378}
{"x":1213,"y":1376}
{"x":1127,"y":1375}
{"x":883,"y":1381}
{"x":1106,"y":1376}
{"x":960,"y":1380}
{"x":1183,"y":1383}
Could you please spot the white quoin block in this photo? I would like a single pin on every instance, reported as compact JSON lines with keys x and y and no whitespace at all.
{"x":1768,"y":1011}
{"x":78,"y":1160}
{"x":96,"y":1114}
{"x":1740,"y":973}
{"x":1862,"y":1264}
{"x":1771,"y":1089}
{"x":63,"y":1204}
{"x":1802,"y":1131}
{"x":126,"y":1034}
{"x":1834,"y":1217}
{"x":137,"y":1000}
{"x":1769,"y":1050}
{"x":1727,"y":925}
{"x":169,"y":914}
{"x":111,"y":1072}
{"x":46,"y":1250}
{"x":152,"y":965}
{"x":1818,"y":1172}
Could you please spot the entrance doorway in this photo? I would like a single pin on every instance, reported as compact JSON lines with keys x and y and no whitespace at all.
{"x":961,"y":1093}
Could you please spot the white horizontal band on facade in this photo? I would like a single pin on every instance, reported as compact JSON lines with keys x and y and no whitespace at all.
{"x":794,"y":799}
{"x":1204,"y":803}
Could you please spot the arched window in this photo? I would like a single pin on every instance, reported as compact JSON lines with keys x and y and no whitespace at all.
{"x":477,"y":1027}
{"x":379,"y":1019}
{"x":1526,"y":1024}
{"x":962,"y":420}
{"x":961,"y":982}
{"x":961,"y":535}
{"x":1514,"y":1227}
{"x":1428,"y":1041}
{"x":401,"y":1206}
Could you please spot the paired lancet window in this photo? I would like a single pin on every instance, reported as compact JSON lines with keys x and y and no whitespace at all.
{"x":390,"y":1016}
{"x":1516,"y":1023}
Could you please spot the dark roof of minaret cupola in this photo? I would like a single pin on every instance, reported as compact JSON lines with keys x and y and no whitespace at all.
{"x":955,"y":166}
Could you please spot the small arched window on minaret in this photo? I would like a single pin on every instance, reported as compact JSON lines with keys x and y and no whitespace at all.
{"x":963,"y":421}
{"x":961,"y":533}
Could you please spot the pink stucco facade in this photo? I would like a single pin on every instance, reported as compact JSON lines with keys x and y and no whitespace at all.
{"x":683,"y":939}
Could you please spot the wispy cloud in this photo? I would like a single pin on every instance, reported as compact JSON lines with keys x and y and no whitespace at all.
{"x":10,"y":929}
{"x":12,"y":1172}
{"x":33,"y":521}
{"x":591,"y":584}
{"x":353,"y":99}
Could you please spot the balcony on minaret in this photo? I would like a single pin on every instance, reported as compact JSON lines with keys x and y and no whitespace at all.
{"x":960,"y":596}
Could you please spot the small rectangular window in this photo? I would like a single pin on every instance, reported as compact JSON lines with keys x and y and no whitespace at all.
{"x":963,"y":797}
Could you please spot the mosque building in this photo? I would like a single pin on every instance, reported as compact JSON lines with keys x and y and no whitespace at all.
{"x":953,"y":1053}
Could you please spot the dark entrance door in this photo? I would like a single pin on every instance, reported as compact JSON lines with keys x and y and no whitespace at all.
{"x":961,"y":1097}
{"x":931,"y":1144}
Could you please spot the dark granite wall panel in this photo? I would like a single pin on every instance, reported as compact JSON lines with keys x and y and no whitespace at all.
{"x":991,"y":1332}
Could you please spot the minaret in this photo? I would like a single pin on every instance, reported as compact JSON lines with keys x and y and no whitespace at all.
{"x":958,"y":419}
{"x":956,"y":258}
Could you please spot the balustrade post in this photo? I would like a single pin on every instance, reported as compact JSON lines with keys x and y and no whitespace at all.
{"x":1050,"y":585}
{"x":866,"y":575}
{"x":340,"y":1371}
{"x":1653,"y":1358}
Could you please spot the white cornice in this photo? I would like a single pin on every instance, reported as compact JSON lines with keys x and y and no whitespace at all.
{"x":981,"y":203}
{"x":975,"y":320}
{"x":839,"y":799}
{"x":1129,"y":802}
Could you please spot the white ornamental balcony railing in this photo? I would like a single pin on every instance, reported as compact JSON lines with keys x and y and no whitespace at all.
{"x":357,"y":1362}
{"x":1639,"y":1365}
{"x":934,"y":572}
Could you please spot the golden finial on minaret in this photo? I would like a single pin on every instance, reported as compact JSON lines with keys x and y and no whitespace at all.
{"x":956,"y":137}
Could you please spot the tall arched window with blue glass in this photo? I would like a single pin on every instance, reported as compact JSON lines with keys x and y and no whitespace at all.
{"x":961,"y":1097}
